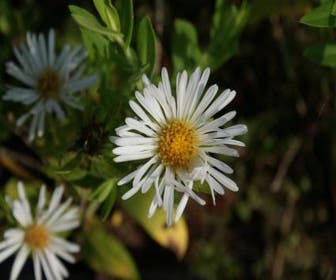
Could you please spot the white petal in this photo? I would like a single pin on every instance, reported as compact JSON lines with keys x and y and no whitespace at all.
{"x":235,"y":130}
{"x":51,"y":46}
{"x":206,"y":100}
{"x":213,"y":184}
{"x":19,"y":261}
{"x":62,"y":253}
{"x":45,"y":266}
{"x":127,"y":178}
{"x":166,"y":82}
{"x":20,"y":214}
{"x":4,"y":254}
{"x":181,"y":83}
{"x":80,"y":84}
{"x":216,"y":123}
{"x":219,"y":165}
{"x":181,"y":206}
{"x":222,"y":150}
{"x":168,"y":203}
{"x":37,"y":266}
{"x":66,"y":245}
{"x":24,"y":201}
{"x":54,"y":217}
{"x":58,"y":269}
{"x":56,"y":198}
{"x":41,"y":199}
{"x":61,"y":227}
{"x":128,"y":141}
{"x":227,"y":182}
{"x":225,"y":98}
{"x":131,"y":192}
{"x":13,"y":70}
{"x":142,"y":155}
{"x":142,"y":170}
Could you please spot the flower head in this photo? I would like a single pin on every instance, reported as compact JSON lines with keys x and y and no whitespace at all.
{"x":37,"y":234}
{"x":179,"y":137}
{"x":49,"y":79}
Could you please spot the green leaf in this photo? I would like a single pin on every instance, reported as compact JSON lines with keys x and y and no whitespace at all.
{"x":108,"y":13}
{"x":324,"y":54}
{"x":89,"y":21}
{"x":321,"y":16}
{"x":108,"y":204}
{"x":102,"y":192}
{"x":126,"y":19}
{"x":146,"y":44}
{"x":104,"y":253}
{"x":185,"y":50}
{"x":333,"y":8}
{"x":96,"y":44}
{"x":74,"y":174}
{"x":228,"y":23}
{"x":105,"y":195}
{"x":174,"y":238}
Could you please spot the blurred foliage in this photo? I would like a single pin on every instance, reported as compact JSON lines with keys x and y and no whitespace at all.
{"x":323,"y":16}
{"x":281,"y":225}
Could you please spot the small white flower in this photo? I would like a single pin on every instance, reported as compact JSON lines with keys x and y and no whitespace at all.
{"x":49,"y":79}
{"x":37,"y":235}
{"x":179,"y":136}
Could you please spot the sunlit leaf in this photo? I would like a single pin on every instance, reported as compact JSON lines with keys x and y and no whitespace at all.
{"x":174,"y":238}
{"x":104,"y":253}
{"x":321,"y":16}
{"x":324,"y":54}
{"x":108,"y":13}
{"x":89,"y":21}
{"x":146,"y":44}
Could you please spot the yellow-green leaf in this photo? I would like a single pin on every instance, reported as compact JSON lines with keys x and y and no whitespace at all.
{"x":174,"y":238}
{"x":104,"y":253}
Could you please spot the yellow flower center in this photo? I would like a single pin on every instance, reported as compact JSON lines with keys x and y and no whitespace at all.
{"x":178,"y":145}
{"x":36,"y":237}
{"x":49,"y":83}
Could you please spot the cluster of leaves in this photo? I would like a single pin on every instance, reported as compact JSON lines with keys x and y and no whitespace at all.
{"x":323,"y":16}
{"x":227,"y":24}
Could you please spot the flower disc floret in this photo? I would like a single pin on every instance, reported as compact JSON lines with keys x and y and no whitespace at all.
{"x":36,"y":236}
{"x":178,"y":145}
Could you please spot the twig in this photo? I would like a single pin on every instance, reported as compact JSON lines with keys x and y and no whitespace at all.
{"x":285,"y":163}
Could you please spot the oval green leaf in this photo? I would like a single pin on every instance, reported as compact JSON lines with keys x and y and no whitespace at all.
{"x":104,"y":253}
{"x":322,"y":16}
{"x":324,"y":54}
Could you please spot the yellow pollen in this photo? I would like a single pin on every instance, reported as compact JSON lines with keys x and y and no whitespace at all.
{"x":178,"y":145}
{"x":49,"y":83}
{"x":36,"y":237}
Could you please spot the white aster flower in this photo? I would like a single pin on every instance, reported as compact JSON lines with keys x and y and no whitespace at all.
{"x":37,"y":235}
{"x":48,"y":79}
{"x":179,"y":137}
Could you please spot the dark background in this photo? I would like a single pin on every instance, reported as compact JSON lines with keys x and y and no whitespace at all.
{"x":281,"y":224}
